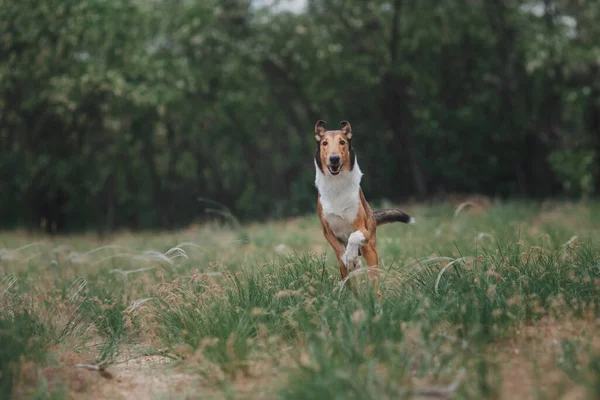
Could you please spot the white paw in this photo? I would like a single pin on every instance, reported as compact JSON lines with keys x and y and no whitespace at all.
{"x":345,"y":260}
{"x":350,"y":255}
{"x":356,"y":264}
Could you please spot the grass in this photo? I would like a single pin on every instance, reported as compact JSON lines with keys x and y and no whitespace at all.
{"x":488,"y":303}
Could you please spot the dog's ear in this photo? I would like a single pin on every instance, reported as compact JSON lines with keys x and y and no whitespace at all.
{"x":347,"y":129}
{"x":319,"y":130}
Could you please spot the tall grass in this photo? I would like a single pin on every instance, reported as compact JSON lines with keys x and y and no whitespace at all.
{"x":252,"y":320}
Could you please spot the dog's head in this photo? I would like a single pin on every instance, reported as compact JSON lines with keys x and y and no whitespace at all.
{"x":334,"y":149}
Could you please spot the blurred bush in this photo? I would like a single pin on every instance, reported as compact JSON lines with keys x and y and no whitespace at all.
{"x":122,"y":113}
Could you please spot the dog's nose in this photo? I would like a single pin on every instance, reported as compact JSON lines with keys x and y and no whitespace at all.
{"x":334,"y":160}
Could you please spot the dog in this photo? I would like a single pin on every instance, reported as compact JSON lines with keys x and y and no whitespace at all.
{"x":349,"y":224}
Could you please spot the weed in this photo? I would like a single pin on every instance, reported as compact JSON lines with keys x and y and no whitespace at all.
{"x":260,"y":310}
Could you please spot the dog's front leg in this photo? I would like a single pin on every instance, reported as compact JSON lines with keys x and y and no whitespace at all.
{"x":356,"y":240}
{"x":370,"y":253}
{"x":337,"y":247}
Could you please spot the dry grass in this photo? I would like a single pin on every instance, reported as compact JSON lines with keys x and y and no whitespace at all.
{"x":493,"y":301}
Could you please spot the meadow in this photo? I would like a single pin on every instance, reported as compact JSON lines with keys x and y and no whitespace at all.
{"x":497,"y":301}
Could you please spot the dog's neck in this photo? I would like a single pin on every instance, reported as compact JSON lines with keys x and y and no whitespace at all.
{"x":339,"y":194}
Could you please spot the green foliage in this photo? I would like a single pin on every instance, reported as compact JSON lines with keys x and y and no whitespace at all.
{"x":124,"y":113}
{"x":21,"y":338}
{"x":575,"y":169}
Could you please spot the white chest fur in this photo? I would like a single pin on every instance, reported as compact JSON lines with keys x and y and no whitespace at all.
{"x":339,"y":199}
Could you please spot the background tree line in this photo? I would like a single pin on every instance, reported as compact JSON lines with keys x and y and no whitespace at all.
{"x":123,"y":113}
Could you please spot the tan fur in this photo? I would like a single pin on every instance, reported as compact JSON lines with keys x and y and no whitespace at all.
{"x":335,"y":143}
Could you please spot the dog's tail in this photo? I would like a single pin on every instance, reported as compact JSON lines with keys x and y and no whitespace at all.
{"x":392,"y":215}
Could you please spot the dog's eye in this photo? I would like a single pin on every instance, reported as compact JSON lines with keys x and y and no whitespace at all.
{"x":324,"y":143}
{"x":342,"y":142}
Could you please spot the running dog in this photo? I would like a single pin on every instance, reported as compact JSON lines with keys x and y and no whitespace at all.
{"x":349,"y":224}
